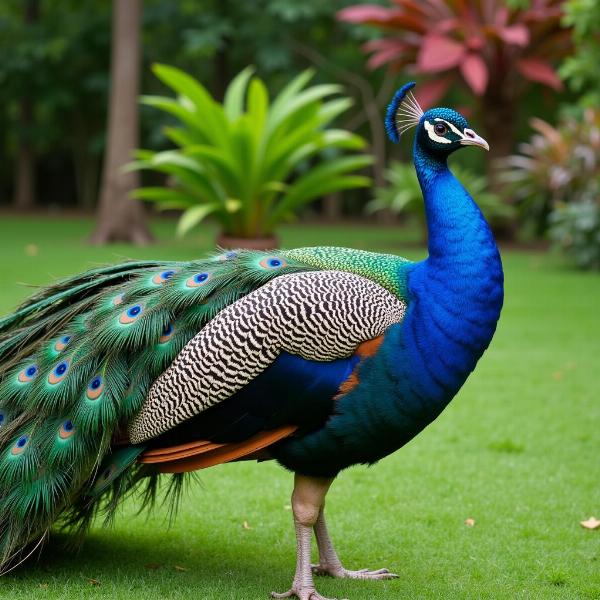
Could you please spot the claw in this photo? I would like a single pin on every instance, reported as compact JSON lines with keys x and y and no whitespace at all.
{"x":302,"y":594}
{"x":342,"y":573}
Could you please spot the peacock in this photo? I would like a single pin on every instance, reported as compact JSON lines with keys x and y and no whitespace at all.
{"x":319,"y":357}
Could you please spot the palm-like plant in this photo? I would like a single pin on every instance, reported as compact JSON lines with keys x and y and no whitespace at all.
{"x":493,"y":49}
{"x":249,"y":162}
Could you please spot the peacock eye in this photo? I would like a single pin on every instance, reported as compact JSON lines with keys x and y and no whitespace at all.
{"x":440,"y":129}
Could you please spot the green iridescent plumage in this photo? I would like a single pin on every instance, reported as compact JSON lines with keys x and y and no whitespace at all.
{"x":78,"y":358}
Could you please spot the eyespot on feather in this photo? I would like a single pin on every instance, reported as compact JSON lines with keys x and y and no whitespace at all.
{"x":272,"y":262}
{"x":198,"y":279}
{"x":163,"y":276}
{"x":66,"y":430}
{"x":3,"y":418}
{"x":28,"y":374}
{"x":95,"y":388}
{"x":132,"y":314}
{"x":59,"y":372}
{"x":62,"y":343}
{"x":167,"y":334}
{"x":20,"y":445}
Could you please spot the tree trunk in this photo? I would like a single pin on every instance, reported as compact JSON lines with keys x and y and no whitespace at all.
{"x":119,"y":217}
{"x":498,"y":116}
{"x":24,"y":197}
{"x":332,"y":207}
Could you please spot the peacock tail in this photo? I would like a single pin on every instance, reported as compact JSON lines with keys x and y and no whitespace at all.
{"x":78,"y":359}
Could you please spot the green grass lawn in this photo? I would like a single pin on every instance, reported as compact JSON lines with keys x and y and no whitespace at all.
{"x":517,"y":451}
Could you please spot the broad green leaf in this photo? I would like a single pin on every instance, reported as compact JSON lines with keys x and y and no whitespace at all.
{"x":331,"y":109}
{"x":311,"y":184}
{"x":258,"y":107}
{"x":318,"y":190}
{"x":291,"y":90}
{"x":245,"y":158}
{"x":274,"y":186}
{"x":185,"y":85}
{"x":171,"y":205}
{"x":193,"y":217}
{"x":233,"y":102}
{"x":222,"y":164}
{"x":184,"y":137}
{"x":207,"y":115}
{"x":312,"y":94}
{"x":164,"y":194}
{"x":340,"y":138}
{"x":174,"y":157}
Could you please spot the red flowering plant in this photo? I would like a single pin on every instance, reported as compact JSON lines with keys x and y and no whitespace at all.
{"x":493,"y":48}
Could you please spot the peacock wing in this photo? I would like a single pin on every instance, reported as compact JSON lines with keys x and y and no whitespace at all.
{"x":317,"y":315}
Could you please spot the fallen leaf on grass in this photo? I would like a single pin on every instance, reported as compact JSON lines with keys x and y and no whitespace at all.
{"x":557,"y":375}
{"x":245,"y":525}
{"x":469,"y":522}
{"x":94,"y":581}
{"x":591,"y":523}
{"x":181,"y":569}
{"x":31,"y":250}
{"x":153,"y":566}
{"x":44,"y":586}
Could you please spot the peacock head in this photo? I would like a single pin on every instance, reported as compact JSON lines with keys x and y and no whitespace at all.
{"x":440,"y":131}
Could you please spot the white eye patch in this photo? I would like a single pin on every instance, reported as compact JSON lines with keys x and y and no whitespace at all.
{"x":453,"y":128}
{"x":433,"y":135}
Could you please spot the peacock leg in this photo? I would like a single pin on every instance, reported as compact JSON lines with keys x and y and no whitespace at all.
{"x":330,"y":564}
{"x":307,"y":502}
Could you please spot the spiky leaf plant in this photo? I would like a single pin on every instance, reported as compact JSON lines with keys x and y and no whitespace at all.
{"x":250,"y":162}
{"x":557,"y":165}
{"x":556,"y":181}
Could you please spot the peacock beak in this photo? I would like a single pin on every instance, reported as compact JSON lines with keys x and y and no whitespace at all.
{"x":470,"y":138}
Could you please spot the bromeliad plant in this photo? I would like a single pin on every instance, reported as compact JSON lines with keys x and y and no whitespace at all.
{"x":249,"y":162}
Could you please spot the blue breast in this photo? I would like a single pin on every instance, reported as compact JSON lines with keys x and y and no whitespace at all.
{"x":455,"y":299}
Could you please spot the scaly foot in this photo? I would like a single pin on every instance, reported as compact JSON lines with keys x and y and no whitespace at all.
{"x":305,"y":593}
{"x":340,"y":572}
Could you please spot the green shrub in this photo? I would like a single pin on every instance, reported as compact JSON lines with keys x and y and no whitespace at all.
{"x":575,"y":228}
{"x":249,"y":162}
{"x":403,"y":194}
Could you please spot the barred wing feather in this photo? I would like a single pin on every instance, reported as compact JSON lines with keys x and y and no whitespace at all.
{"x":318,"y":315}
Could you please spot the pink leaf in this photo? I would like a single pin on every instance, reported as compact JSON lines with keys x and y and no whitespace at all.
{"x":501,"y":17}
{"x":536,"y":69}
{"x":364,"y":13}
{"x":517,"y":35}
{"x":386,"y":50}
{"x":439,"y":53}
{"x":430,"y":92}
{"x":475,"y":72}
{"x":383,"y":57}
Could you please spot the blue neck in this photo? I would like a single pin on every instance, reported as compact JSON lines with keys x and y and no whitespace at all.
{"x":456,"y":293}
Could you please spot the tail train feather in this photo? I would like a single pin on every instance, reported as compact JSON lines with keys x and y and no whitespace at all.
{"x":76,"y":362}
